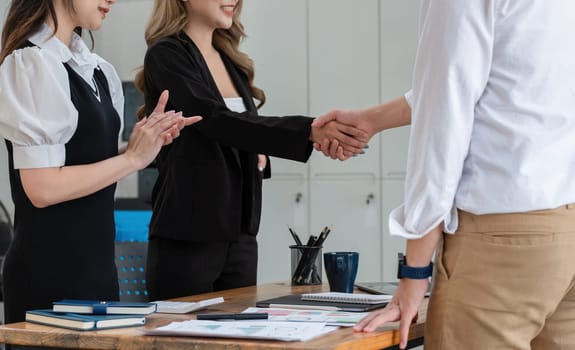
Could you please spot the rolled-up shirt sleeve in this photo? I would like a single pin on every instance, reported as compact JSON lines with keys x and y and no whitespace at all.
{"x":36,"y":113}
{"x":409,"y":98}
{"x":451,"y":71}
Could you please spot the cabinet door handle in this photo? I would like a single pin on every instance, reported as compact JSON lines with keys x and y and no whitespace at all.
{"x":369,"y":199}
{"x":298,"y":197}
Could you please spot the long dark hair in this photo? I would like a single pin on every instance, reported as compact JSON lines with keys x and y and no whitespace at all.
{"x":25,"y":17}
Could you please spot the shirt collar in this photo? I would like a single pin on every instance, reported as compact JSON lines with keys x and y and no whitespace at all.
{"x":78,"y":53}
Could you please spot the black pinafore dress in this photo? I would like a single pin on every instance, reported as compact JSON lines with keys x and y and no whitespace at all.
{"x":67,"y":250}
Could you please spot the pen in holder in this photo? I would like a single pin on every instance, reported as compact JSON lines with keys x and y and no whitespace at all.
{"x":306,"y":264}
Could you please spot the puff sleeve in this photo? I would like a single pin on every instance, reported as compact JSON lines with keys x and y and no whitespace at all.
{"x":36,"y":111}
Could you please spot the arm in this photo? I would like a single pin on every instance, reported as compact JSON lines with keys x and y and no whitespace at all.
{"x":405,"y":303}
{"x":392,"y":114}
{"x":170,"y":65}
{"x":53,"y":185}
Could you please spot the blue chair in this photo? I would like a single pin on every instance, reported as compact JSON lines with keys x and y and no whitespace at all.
{"x":131,"y":265}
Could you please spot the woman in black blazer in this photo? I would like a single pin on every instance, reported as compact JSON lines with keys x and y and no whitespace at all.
{"x":207,"y":199}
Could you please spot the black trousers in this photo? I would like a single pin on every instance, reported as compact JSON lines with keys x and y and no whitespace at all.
{"x":179,"y":268}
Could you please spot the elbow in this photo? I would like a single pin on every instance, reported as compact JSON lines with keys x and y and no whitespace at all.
{"x":40,"y":198}
{"x":40,"y":202}
{"x":40,"y":188}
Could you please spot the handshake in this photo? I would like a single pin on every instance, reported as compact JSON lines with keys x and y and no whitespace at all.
{"x":341,"y":134}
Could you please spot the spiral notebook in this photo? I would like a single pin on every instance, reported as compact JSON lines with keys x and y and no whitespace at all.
{"x":295,"y":301}
{"x":347,"y":297}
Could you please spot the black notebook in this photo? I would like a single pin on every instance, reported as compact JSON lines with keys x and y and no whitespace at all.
{"x":294,"y":301}
{"x":387,"y":288}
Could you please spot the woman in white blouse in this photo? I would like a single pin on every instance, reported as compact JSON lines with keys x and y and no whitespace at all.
{"x":60,"y":108}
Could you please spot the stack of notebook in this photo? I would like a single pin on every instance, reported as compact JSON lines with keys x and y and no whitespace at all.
{"x":92,"y":314}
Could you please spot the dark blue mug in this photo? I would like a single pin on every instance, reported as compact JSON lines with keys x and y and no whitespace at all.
{"x":341,"y":269}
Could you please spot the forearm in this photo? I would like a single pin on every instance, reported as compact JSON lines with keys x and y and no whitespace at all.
{"x":420,"y":251}
{"x":392,"y":114}
{"x":49,"y":186}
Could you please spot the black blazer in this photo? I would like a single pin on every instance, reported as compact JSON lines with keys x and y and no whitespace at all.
{"x":209,"y":187}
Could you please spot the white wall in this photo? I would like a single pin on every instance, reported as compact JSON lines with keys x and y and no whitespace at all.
{"x":4,"y":183}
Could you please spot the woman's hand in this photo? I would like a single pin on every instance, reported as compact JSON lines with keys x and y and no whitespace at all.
{"x":351,"y":139}
{"x":403,"y":308}
{"x":154,"y":131}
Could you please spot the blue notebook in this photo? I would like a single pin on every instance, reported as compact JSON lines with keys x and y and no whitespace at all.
{"x":103,"y":307}
{"x":83,"y":322}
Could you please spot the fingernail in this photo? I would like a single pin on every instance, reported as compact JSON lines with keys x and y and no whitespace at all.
{"x":179,"y":114}
{"x":366,"y":146}
{"x":362,"y":152}
{"x":261,"y":169}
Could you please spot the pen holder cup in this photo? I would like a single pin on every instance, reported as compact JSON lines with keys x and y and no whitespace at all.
{"x":305,"y":265}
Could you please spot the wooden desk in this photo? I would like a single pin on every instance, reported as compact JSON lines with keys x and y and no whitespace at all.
{"x":237,"y":300}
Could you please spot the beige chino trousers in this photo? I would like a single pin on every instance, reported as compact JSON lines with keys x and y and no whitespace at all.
{"x":505,"y":281}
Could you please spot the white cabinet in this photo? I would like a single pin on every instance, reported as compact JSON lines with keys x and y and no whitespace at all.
{"x":392,"y":194}
{"x":399,"y":32}
{"x":336,"y":54}
{"x":285,"y":202}
{"x":343,"y":71}
{"x":281,"y":68}
{"x":398,"y":45}
{"x":398,"y":38}
{"x":352,"y":206}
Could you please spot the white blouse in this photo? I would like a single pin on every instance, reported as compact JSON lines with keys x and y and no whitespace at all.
{"x":493,"y":112}
{"x":235,"y":104}
{"x":36,"y":111}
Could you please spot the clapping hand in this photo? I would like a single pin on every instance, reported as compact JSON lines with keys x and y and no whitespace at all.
{"x":158,"y":129}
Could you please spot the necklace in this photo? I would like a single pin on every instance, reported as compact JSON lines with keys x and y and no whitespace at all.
{"x":95,"y":90}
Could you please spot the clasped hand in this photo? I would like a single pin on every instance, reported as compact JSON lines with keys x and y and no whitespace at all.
{"x":346,"y":134}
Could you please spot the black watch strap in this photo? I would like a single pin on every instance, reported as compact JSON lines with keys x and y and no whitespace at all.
{"x":404,"y":271}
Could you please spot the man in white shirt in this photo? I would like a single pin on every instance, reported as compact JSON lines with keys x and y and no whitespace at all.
{"x":490,"y":170}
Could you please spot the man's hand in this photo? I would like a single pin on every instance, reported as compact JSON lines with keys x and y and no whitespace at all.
{"x":403,"y":308}
{"x":350,"y":117}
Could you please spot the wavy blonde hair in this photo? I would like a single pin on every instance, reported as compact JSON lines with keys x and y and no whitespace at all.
{"x":169,"y":17}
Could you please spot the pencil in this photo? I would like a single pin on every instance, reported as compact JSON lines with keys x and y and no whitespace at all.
{"x":295,"y":236}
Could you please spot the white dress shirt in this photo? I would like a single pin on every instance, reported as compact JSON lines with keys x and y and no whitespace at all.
{"x":36,"y":111}
{"x":493,"y":112}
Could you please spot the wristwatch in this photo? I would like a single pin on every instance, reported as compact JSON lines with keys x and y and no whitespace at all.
{"x":416,"y":273}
